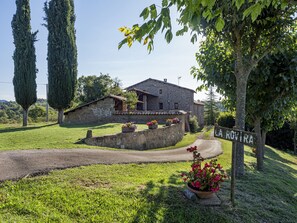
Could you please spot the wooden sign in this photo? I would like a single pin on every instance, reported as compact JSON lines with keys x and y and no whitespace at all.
{"x":247,"y":138}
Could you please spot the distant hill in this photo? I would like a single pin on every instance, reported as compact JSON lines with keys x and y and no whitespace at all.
{"x":3,"y":101}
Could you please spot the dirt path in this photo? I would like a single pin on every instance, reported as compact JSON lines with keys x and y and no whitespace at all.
{"x":21,"y":163}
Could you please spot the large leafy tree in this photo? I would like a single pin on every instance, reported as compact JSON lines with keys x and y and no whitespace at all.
{"x":24,"y":57}
{"x":93,"y":87}
{"x":62,"y":54}
{"x":250,"y":36}
{"x":271,"y":89}
{"x":292,"y":118}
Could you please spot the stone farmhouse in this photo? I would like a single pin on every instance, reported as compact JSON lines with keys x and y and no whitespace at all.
{"x":156,"y":100}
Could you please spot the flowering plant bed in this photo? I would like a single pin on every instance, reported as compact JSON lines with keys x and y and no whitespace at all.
{"x":207,"y":177}
{"x":128,"y":127}
{"x":152,"y":124}
{"x":175,"y":120}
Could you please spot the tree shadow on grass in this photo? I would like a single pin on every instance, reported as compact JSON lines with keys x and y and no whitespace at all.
{"x":274,"y":156}
{"x":268,"y":195}
{"x":20,"y":129}
{"x":165,"y":202}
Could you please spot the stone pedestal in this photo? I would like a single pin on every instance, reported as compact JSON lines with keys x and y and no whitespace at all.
{"x":213,"y":201}
{"x":89,"y":134}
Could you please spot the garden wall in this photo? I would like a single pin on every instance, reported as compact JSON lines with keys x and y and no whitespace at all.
{"x":141,"y":140}
{"x":147,"y":116}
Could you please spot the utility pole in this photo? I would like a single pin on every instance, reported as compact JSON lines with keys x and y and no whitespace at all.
{"x":178,"y":79}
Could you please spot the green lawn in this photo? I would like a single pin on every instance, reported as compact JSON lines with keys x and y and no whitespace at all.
{"x":151,"y":193}
{"x":52,"y":136}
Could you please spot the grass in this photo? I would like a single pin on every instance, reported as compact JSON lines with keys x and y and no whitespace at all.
{"x":151,"y":193}
{"x":52,"y":136}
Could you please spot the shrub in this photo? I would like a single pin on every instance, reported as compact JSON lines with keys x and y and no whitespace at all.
{"x":226,"y":119}
{"x":193,"y":122}
{"x":281,"y":138}
{"x":37,"y":112}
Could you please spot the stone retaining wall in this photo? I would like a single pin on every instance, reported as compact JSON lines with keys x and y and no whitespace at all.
{"x":141,"y":140}
{"x":144,"y":117}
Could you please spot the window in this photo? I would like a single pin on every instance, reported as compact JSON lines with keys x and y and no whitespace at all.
{"x":175,"y":105}
{"x":160,"y":106}
{"x":160,"y":91}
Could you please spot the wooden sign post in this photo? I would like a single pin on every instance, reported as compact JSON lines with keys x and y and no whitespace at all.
{"x":236,"y":136}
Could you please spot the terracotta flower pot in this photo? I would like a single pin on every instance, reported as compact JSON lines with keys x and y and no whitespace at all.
{"x":201,"y":194}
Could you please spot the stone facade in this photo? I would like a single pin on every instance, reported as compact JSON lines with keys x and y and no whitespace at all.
{"x":142,"y":140}
{"x":154,"y":97}
{"x":163,"y":96}
{"x":171,"y":96}
{"x":95,"y":112}
{"x":198,"y":111}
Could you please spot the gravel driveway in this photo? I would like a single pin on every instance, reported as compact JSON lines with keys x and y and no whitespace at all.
{"x":20,"y":163}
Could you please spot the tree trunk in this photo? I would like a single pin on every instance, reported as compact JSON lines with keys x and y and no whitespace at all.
{"x":241,"y":84}
{"x":264,"y":133}
{"x":60,"y":116}
{"x":25,"y":117}
{"x":259,"y":150}
{"x":295,"y":139}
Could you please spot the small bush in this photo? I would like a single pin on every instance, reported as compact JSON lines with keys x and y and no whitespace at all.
{"x":193,"y":122}
{"x":37,"y":112}
{"x":226,"y":119}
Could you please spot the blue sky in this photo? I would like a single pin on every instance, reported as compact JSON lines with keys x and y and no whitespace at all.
{"x":97,"y":36}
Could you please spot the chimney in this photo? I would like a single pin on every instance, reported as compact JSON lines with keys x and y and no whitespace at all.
{"x":165,"y":80}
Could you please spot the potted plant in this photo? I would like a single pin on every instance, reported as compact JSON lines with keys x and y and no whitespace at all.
{"x":128,"y":127}
{"x":203,"y":180}
{"x":152,"y":124}
{"x":169,"y":122}
{"x":175,"y":120}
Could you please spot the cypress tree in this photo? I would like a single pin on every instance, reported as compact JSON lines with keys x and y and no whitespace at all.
{"x":62,"y":54}
{"x":24,"y":57}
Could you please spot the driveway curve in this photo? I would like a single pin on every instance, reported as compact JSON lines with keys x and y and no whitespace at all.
{"x":21,"y":163}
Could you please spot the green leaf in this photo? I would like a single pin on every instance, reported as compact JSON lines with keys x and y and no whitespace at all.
{"x":204,"y":3}
{"x":284,"y":5}
{"x":153,"y":11}
{"x":123,"y":42}
{"x":168,"y":36}
{"x":150,"y":46}
{"x":220,"y":23}
{"x":164,"y":3}
{"x":194,"y":38}
{"x":239,"y":3}
{"x":207,"y":15}
{"x":211,"y":3}
{"x":254,"y":11}
{"x":158,"y":25}
{"x":145,"y":13}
